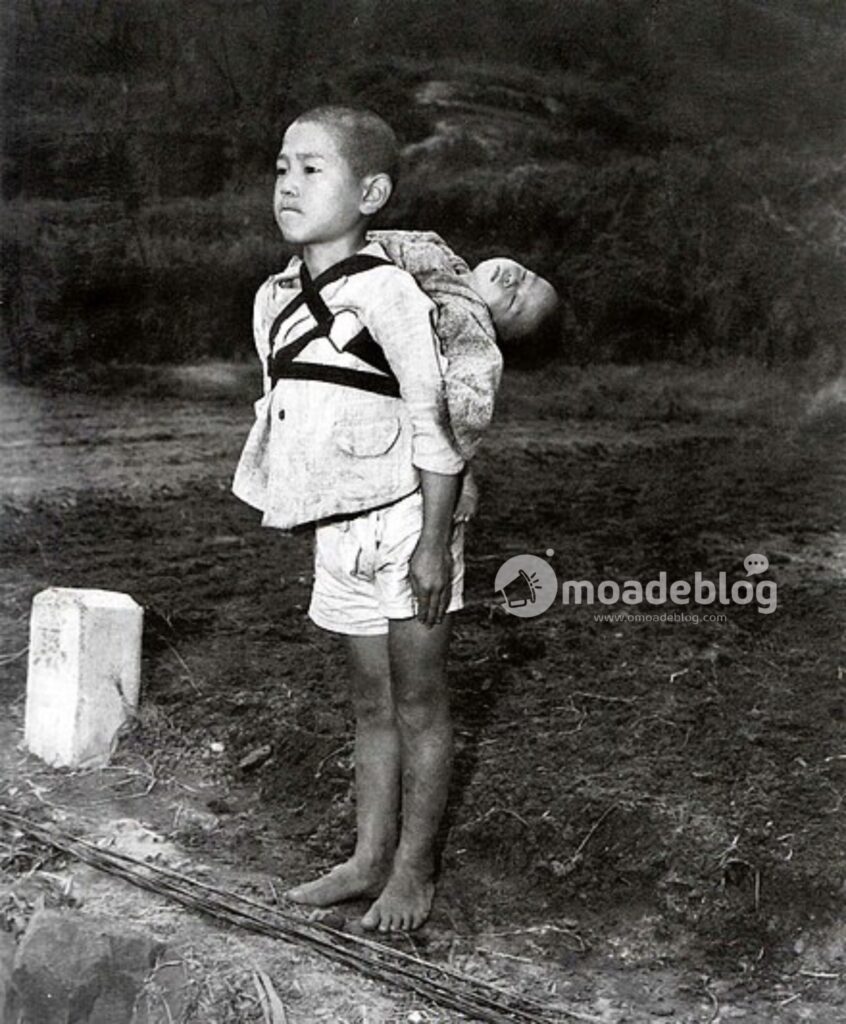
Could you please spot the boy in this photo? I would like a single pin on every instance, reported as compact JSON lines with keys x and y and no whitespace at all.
{"x":354,"y":423}
{"x":354,"y":438}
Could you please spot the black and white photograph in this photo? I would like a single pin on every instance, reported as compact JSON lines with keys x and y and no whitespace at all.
{"x":422,"y":511}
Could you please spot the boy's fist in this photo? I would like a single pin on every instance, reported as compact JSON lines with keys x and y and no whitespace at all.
{"x":430,"y":572}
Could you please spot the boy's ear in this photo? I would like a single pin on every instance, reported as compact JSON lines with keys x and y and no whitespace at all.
{"x":376,"y":192}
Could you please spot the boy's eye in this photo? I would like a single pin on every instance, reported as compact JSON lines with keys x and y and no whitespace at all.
{"x":311,"y":169}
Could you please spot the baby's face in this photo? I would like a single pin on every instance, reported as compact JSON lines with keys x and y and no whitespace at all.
{"x":517,"y":298}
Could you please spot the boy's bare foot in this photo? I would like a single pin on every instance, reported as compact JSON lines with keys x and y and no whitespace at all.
{"x":345,"y":882}
{"x":403,"y":904}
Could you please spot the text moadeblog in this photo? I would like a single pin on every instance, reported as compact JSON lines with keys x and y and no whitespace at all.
{"x":701,"y":591}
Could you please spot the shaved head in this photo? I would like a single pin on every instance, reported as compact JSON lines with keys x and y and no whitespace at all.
{"x":365,"y":141}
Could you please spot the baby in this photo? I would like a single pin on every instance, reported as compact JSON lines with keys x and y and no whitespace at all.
{"x":498,"y":297}
{"x":518,"y":299}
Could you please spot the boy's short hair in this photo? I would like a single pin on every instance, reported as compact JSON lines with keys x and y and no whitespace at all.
{"x":366,"y":141}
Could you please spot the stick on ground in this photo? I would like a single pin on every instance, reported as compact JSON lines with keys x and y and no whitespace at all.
{"x":441,"y":985}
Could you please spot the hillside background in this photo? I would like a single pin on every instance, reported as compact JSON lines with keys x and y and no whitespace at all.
{"x":675,"y":167}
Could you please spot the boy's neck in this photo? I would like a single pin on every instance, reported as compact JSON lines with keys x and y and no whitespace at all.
{"x":323,"y":255}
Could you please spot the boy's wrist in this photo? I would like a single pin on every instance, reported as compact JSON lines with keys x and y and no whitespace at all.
{"x":434,"y":538}
{"x":439,"y":496}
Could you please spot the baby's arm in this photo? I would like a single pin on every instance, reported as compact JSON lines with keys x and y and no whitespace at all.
{"x":468,"y":497}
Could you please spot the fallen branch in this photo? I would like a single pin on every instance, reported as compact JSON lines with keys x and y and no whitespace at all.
{"x":441,"y":985}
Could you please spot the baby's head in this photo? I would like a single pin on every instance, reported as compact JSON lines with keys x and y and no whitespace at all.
{"x":336,"y":169}
{"x":519,"y":300}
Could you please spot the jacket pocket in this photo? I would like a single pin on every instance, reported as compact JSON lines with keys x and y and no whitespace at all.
{"x":367,"y":440}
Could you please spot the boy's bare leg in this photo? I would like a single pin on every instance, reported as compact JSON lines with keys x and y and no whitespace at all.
{"x":377,"y":781}
{"x":418,"y":668}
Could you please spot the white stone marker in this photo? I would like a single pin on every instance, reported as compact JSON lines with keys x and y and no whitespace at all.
{"x":84,"y":673}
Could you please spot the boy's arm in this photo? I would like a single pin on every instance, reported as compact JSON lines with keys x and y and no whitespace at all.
{"x":430,"y":568}
{"x":400,"y":323}
{"x":260,"y":331}
{"x":399,"y":320}
{"x":271,"y":297}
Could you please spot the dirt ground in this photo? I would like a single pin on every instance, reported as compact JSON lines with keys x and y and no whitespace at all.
{"x":646,"y":821}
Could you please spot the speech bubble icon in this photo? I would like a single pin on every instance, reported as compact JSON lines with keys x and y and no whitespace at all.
{"x":753,"y":564}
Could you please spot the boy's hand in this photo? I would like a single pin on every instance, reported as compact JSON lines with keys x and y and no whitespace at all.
{"x":430,"y":567}
{"x":430,"y":572}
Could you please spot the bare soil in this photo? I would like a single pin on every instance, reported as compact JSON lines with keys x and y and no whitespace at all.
{"x":646,"y":821}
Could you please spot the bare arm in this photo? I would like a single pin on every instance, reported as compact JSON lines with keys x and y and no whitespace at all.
{"x":400,"y":323}
{"x":468,"y":497}
{"x":431,"y":564}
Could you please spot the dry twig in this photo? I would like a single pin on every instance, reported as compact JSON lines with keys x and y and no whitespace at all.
{"x":593,"y":829}
{"x":441,"y":985}
{"x":6,"y":659}
{"x":272,"y":1007}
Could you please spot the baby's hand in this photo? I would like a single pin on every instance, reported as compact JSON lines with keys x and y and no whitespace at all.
{"x":468,"y":499}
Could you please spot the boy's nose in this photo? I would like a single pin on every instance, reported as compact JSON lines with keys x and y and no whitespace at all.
{"x":287,"y":185}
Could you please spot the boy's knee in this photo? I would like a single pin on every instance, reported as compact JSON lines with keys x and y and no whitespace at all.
{"x":372,"y":700}
{"x":374,"y":710}
{"x":421,"y":708}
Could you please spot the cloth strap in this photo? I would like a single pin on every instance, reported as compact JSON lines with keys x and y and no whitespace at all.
{"x":282,"y":362}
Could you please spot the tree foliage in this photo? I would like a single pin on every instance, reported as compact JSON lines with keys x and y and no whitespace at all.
{"x":673,"y":166}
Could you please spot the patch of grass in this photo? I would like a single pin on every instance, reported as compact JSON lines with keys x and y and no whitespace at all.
{"x":737,"y":393}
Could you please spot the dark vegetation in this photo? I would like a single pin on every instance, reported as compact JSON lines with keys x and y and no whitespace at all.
{"x":676,"y":168}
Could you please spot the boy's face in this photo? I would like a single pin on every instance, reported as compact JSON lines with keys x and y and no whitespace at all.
{"x":317,"y":198}
{"x":517,"y":297}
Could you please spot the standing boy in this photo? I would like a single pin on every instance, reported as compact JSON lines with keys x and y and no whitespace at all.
{"x":353,"y":419}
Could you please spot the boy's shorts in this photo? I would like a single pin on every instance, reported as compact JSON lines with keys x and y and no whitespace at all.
{"x":361,"y":569}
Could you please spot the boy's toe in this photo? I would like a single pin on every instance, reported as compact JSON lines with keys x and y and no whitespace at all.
{"x":372,"y":920}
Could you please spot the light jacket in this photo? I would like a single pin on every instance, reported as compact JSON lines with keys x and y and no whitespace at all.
{"x":320,"y":449}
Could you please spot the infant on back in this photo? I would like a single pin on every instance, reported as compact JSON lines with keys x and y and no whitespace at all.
{"x":498,"y":297}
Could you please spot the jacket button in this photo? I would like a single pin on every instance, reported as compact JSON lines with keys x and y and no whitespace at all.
{"x":281,"y":414}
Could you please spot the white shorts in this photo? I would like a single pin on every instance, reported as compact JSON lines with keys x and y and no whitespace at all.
{"x":361,"y":577}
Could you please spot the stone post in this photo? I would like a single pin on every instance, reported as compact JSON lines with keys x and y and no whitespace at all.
{"x":84,"y":674}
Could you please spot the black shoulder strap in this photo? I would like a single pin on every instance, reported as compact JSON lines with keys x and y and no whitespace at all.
{"x":358,"y":263}
{"x":281,"y":364}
